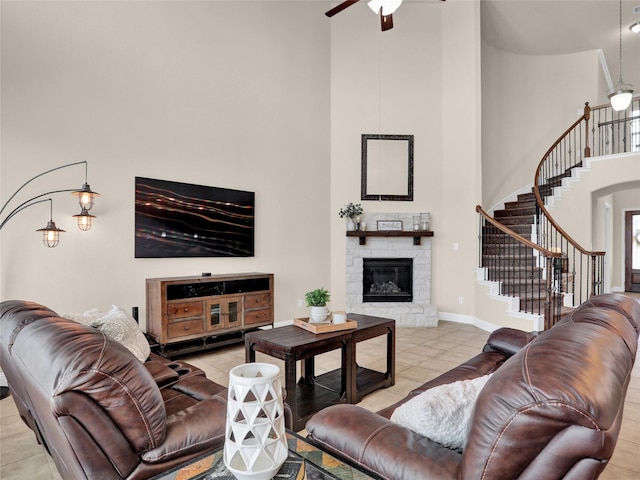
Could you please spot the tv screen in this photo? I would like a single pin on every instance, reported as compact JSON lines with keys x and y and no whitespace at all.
{"x":174,"y":219}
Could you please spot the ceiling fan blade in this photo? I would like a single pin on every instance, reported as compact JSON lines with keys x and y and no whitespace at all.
{"x":341,"y":6}
{"x":386,"y":21}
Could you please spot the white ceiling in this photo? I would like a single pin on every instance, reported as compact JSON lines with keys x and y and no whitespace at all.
{"x":547,"y":27}
{"x":554,"y":27}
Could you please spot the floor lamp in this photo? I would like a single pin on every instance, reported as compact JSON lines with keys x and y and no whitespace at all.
{"x":50,"y":233}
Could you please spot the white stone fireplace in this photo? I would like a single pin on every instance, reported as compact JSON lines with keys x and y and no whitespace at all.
{"x":418,"y":312}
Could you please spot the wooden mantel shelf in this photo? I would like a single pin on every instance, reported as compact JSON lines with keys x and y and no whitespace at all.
{"x":363,"y":234}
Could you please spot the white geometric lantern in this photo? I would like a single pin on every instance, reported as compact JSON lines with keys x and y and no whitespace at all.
{"x":255,"y":445}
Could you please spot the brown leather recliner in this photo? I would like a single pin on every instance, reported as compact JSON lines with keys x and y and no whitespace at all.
{"x":99,"y":411}
{"x":552,"y":409}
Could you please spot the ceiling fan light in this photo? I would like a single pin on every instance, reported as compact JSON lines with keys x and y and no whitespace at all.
{"x":635,"y":28}
{"x":388,"y":6}
{"x":620,"y":99}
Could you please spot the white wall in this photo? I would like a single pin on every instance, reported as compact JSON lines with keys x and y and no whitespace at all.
{"x":228,"y":94}
{"x":456,"y":253}
{"x":625,"y":198}
{"x":528,"y":102}
{"x":417,"y":79}
{"x":609,"y":182}
{"x":272,"y":99}
{"x":266,"y":96}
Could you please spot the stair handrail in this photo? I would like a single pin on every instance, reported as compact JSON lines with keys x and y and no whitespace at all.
{"x":515,"y":235}
{"x":539,"y":201}
{"x":552,"y":269}
{"x":615,"y":131}
{"x":560,"y":160}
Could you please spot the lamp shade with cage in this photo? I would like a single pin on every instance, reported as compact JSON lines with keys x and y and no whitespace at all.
{"x":85,"y":196}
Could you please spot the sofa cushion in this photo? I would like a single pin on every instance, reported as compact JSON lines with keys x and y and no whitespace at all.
{"x":442,"y":413}
{"x":482,"y":364}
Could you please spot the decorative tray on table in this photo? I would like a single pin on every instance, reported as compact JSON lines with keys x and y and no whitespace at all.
{"x":324,"y":327}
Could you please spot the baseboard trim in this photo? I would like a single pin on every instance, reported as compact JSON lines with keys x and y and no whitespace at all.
{"x":488,"y":326}
{"x":468,"y":320}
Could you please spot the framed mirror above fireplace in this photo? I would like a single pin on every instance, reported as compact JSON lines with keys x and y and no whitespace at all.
{"x":387,"y":167}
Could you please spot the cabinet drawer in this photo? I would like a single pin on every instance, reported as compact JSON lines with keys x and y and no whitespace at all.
{"x":257,"y":316}
{"x":257,"y":301}
{"x":184,"y":328}
{"x":184,"y":309}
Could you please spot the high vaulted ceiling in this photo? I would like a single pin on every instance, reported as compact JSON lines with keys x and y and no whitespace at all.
{"x":543,"y":27}
{"x":548,"y":27}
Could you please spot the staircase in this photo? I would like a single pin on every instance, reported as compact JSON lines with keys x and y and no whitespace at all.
{"x":522,"y":247}
{"x":526,"y":278}
{"x":515,"y":265}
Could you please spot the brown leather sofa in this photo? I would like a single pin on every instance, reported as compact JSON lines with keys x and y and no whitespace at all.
{"x":552,"y":409}
{"x":98,"y":410}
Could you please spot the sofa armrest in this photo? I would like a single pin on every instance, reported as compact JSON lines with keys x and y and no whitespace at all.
{"x":200,"y":388}
{"x":162,"y":374}
{"x":380,"y":446}
{"x":508,"y":341}
{"x":199,"y":428}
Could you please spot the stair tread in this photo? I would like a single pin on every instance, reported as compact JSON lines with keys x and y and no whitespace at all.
{"x":515,"y":212}
{"x":510,"y":283}
{"x":522,"y":281}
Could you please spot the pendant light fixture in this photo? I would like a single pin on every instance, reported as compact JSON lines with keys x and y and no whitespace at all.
{"x":84,"y":219}
{"x":85,"y":194}
{"x":621,"y":97}
{"x":50,"y":233}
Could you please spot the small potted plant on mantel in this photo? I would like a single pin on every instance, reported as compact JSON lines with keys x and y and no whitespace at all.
{"x":351,"y":211}
{"x":317,"y":301}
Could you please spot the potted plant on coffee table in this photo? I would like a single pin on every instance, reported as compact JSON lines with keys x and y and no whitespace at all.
{"x":317,"y":302}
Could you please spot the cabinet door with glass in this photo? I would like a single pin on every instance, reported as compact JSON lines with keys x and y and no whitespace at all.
{"x":224,"y":313}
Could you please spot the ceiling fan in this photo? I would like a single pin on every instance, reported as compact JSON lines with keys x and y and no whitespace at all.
{"x":384,"y":8}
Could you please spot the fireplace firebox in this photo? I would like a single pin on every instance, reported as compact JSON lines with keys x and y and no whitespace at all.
{"x":387,"y":280}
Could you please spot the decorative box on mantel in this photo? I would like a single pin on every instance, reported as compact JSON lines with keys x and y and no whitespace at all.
{"x":391,"y":245}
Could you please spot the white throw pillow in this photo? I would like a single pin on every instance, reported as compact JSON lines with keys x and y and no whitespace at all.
{"x":442,"y":413}
{"x":118,"y":325}
{"x":84,"y":318}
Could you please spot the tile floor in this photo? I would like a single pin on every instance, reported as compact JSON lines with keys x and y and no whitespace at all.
{"x":421,"y":354}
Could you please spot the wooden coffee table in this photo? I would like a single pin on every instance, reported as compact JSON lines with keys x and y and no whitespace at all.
{"x":366,"y":380}
{"x":347,"y":384}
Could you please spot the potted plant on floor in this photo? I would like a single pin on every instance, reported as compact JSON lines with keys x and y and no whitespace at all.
{"x":317,"y":301}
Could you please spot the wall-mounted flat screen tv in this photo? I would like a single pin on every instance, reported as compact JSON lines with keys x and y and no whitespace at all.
{"x":174,"y":219}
